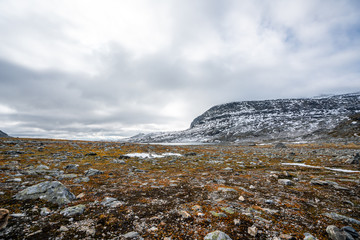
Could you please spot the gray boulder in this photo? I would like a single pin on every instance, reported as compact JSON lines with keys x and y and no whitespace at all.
{"x":309,"y":236}
{"x":354,"y":160}
{"x":72,"y":211}
{"x":111,"y":202}
{"x":133,"y":235}
{"x":224,"y":193}
{"x":280,"y":145}
{"x":71,"y":167}
{"x":350,"y":232}
{"x":81,"y":179}
{"x":92,"y":172}
{"x":335,"y":233}
{"x":51,"y":191}
{"x":339,"y":217}
{"x":217,"y":235}
{"x":4,"y":216}
{"x":286,"y":182}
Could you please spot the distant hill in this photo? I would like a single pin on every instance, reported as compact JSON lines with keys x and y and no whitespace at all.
{"x":335,"y":116}
{"x":3,"y":135}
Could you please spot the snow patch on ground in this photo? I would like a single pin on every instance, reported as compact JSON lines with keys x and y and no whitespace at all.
{"x":152,"y":155}
{"x":327,"y":168}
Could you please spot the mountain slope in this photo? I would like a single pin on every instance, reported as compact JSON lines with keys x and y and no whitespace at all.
{"x":266,"y":120}
{"x":2,"y":134}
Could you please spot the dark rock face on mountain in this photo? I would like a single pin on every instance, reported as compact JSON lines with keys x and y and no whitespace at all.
{"x":308,"y":118}
{"x":2,"y":134}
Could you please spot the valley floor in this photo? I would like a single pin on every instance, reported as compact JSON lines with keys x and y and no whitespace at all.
{"x":178,"y":192}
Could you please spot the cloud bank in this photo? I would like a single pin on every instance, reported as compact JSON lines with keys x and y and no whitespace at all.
{"x":110,"y":69}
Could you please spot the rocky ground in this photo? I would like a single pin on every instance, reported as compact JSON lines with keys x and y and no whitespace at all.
{"x":51,"y":189}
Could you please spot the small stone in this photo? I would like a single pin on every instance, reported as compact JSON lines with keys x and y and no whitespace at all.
{"x":218,"y":214}
{"x":335,"y":233}
{"x":237,"y":222}
{"x":228,"y":210}
{"x":72,"y":211}
{"x":319,"y":182}
{"x":228,"y":169}
{"x":269,"y":201}
{"x":45,"y":211}
{"x":4,"y":216}
{"x":197,"y":208}
{"x":286,"y":182}
{"x":81,"y":195}
{"x":308,"y":236}
{"x":67,"y":176}
{"x":42,"y":168}
{"x":241,"y":199}
{"x":118,"y":161}
{"x":286,"y":237}
{"x":184,"y":214}
{"x":217,"y":235}
{"x":153,"y":229}
{"x":252,"y":231}
{"x":63,"y":229}
{"x":14,"y":180}
{"x":132,"y":235}
{"x":18,"y":215}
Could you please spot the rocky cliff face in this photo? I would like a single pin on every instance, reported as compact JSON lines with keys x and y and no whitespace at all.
{"x":305,"y":118}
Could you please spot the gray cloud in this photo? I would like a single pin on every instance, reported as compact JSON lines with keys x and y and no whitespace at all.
{"x":80,"y":74}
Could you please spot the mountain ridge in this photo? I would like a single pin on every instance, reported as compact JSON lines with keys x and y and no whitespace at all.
{"x":278,"y":119}
{"x":3,"y":135}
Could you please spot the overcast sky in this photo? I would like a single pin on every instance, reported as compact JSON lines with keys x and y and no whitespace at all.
{"x":104,"y":69}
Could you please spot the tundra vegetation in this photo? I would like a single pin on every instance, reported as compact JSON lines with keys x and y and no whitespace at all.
{"x":54,"y":189}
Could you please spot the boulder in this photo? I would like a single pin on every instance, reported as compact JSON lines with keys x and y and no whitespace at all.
{"x":309,"y":236}
{"x":253,"y":231}
{"x":339,"y":217}
{"x":351,"y":231}
{"x":355,"y":160}
{"x":92,"y":172}
{"x":72,"y":211}
{"x":71,"y":167}
{"x":335,"y":233}
{"x":132,"y":235}
{"x":111,"y":202}
{"x":286,"y":182}
{"x":225,"y":193}
{"x":280,"y":145}
{"x":51,"y":191}
{"x":4,"y":216}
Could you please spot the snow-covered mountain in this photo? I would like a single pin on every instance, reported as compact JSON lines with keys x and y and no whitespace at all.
{"x":303,"y":118}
